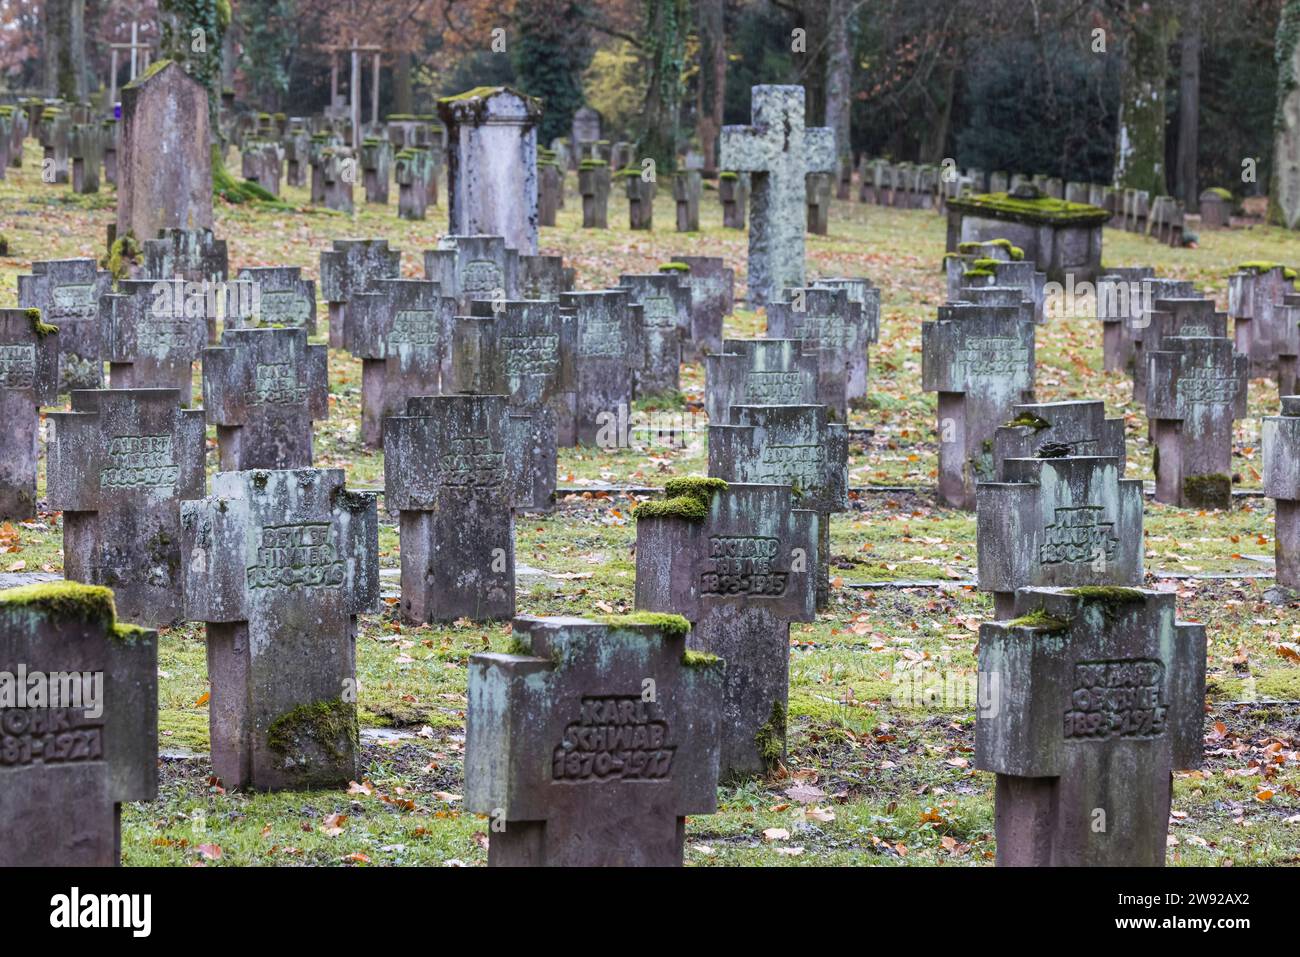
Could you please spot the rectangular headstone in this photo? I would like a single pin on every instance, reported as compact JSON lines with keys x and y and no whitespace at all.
{"x":608,"y":344}
{"x":28,"y":380}
{"x":470,"y":268}
{"x":1077,"y":427}
{"x":831,"y":326}
{"x":758,"y":372}
{"x":279,"y":564}
{"x":712,"y":284}
{"x":1119,"y":302}
{"x":67,"y":292}
{"x":284,"y":298}
{"x":150,"y":340}
{"x":1280,"y":437}
{"x":666,"y":322}
{"x":351,"y":267}
{"x":594,"y":185}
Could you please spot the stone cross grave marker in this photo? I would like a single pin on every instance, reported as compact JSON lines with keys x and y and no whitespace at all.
{"x":739,"y":561}
{"x":819,"y":186}
{"x":867,"y":295}
{"x":980,"y":359}
{"x":67,"y":293}
{"x":469,"y":268}
{"x":640,"y":198}
{"x":790,"y":445}
{"x":550,"y":187}
{"x":263,"y":388}
{"x":416,"y":176}
{"x":591,"y":744}
{"x":1255,"y":294}
{"x":69,"y":762}
{"x":86,"y":151}
{"x":338,"y":175}
{"x":1193,"y":316}
{"x":1074,"y":427}
{"x":666,"y":322}
{"x":492,"y":165}
{"x":351,"y":267}
{"x":758,"y":372}
{"x":1057,"y":521}
{"x":165,"y":166}
{"x":192,"y":255}
{"x":594,"y":185}
{"x":1196,"y":387}
{"x":544,"y":277}
{"x":712,"y":285}
{"x":1119,"y":296}
{"x":778,"y":153}
{"x":400,"y":331}
{"x":151,"y":340}
{"x":831,"y":326}
{"x":733,"y":193}
{"x":284,"y":300}
{"x":445,"y":475}
{"x":376,"y":156}
{"x":1023,"y":276}
{"x":28,"y":379}
{"x":608,"y":344}
{"x":278,"y":564}
{"x":120,"y":462}
{"x":262,"y":162}
{"x":687,"y":185}
{"x":1095,"y":696}
{"x":1280,"y":436}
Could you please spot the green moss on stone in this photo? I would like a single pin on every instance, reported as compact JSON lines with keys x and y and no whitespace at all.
{"x":728,"y":175}
{"x":40,"y":327}
{"x":154,"y":68}
{"x":674,"y":267}
{"x":1109,"y":594}
{"x":323,"y":722}
{"x":1039,"y":620}
{"x":699,"y":659}
{"x":124,"y":251}
{"x":1219,"y":191}
{"x":1044,"y":210}
{"x":978,"y":274}
{"x":71,"y":600}
{"x":1265,"y":266}
{"x":673,"y":626}
{"x":686,"y":498}
{"x":1028,"y":420}
{"x":1208,"y":491}
{"x":770,"y":738}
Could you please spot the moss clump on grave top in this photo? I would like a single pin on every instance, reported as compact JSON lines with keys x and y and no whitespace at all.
{"x":1027,"y":420}
{"x":1043,"y":210}
{"x":1039,"y":620}
{"x":1208,"y":491}
{"x":770,"y":737}
{"x":674,"y":267}
{"x":399,"y":117}
{"x":673,"y":626}
{"x":592,"y":164}
{"x":977,"y":274}
{"x":1263,"y":266}
{"x":39,"y":326}
{"x":728,"y":175}
{"x":985,"y":263}
{"x":92,"y":604}
{"x":324,"y":722}
{"x":686,"y":498}
{"x":124,"y":251}
{"x":1109,"y":594}
{"x":154,"y":68}
{"x":1219,"y":191}
{"x":699,"y":659}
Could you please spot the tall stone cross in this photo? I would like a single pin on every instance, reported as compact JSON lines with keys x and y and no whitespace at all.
{"x":778,"y":153}
{"x":591,"y":743}
{"x":28,"y":380}
{"x":279,"y":564}
{"x":262,"y":388}
{"x":120,"y":462}
{"x":67,"y":766}
{"x":1088,"y":702}
{"x":738,"y":561}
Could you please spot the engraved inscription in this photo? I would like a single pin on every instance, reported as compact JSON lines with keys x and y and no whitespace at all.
{"x":276,"y":383}
{"x":743,"y":565}
{"x":49,"y":735}
{"x":285,"y":308}
{"x":659,"y":312}
{"x":299,"y":555}
{"x":773,"y":388}
{"x":531,"y":355}
{"x":615,"y":738}
{"x":1077,"y":537}
{"x":472,"y":463}
{"x":139,"y":461}
{"x":71,"y":302}
{"x":1122,"y":698}
{"x":17,"y":366}
{"x":801,"y":466}
{"x":992,"y":356}
{"x":415,"y":327}
{"x":1203,"y":385}
{"x":481,"y":275}
{"x":600,"y":338}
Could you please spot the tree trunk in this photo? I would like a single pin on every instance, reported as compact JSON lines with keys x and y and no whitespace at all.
{"x":1140,"y":138}
{"x":1284,"y":193}
{"x":713,"y":80}
{"x":839,"y":74}
{"x":65,"y":49}
{"x":932,"y":146}
{"x":1189,"y":107}
{"x":665,"y":28}
{"x":402,"y":83}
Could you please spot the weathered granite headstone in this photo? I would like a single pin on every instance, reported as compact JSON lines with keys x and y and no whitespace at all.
{"x":866,"y":294}
{"x":150,"y":340}
{"x":319,"y":144}
{"x":297,"y":144}
{"x":1255,"y":294}
{"x":712,"y":285}
{"x":1008,"y":275}
{"x":738,"y":561}
{"x":29,"y":378}
{"x":1280,"y":435}
{"x":607,"y":354}
{"x":89,"y":743}
{"x":400,"y":331}
{"x":778,"y":152}
{"x":544,"y":277}
{"x":1216,"y":208}
{"x":819,"y":203}
{"x":262,"y":162}
{"x":1094,"y":698}
{"x":67,"y":293}
{"x":284,"y":299}
{"x":279,"y":563}
{"x":790,"y":445}
{"x":86,"y":153}
{"x":1073,"y":427}
{"x":524,"y":349}
{"x":758,"y":372}
{"x":165,"y":169}
{"x":492,"y":165}
{"x":1288,"y":344}
{"x":445,"y":475}
{"x":585,"y":127}
{"x":1119,"y":300}
{"x":1165,"y":222}
{"x":733,"y":193}
{"x":687,"y":184}
{"x":338,"y":175}
{"x":1168,"y":316}
{"x":262,"y":388}
{"x":470,"y":268}
{"x":1067,"y":520}
{"x":594,"y":185}
{"x":376,"y":162}
{"x":666,"y":322}
{"x":351,"y":267}
{"x":640,"y":198}
{"x":1196,"y":387}
{"x":565,"y":749}
{"x":120,"y":462}
{"x":416,"y":175}
{"x":980,"y":359}
{"x":550,"y":187}
{"x":53,"y":129}
{"x":192,"y":255}
{"x":832,"y":326}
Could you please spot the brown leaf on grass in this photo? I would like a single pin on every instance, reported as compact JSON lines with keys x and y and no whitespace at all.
{"x":210,"y":852}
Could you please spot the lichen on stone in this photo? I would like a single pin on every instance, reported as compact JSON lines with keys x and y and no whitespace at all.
{"x":1109,"y":594}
